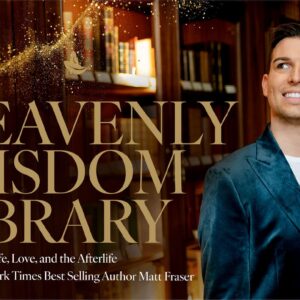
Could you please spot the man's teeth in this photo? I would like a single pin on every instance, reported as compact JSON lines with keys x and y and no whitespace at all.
{"x":292,"y":95}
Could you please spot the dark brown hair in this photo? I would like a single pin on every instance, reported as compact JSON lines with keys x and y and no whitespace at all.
{"x":279,"y":33}
{"x":284,"y":31}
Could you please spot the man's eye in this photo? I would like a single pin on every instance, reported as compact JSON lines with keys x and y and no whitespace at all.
{"x":283,"y":66}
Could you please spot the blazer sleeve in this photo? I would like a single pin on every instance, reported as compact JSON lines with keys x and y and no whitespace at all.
{"x":224,"y":239}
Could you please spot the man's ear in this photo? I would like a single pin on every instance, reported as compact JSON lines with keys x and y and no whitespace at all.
{"x":264,"y":84}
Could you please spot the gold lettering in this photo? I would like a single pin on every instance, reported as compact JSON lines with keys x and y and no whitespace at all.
{"x":135,"y":106}
{"x":83,"y":223}
{"x":213,"y":117}
{"x":80,"y":174}
{"x":12,"y":226}
{"x":93,"y":170}
{"x":33,"y":110}
{"x":2,"y":123}
{"x":176,"y":158}
{"x":98,"y":122}
{"x":178,"y":126}
{"x":2,"y":171}
{"x":61,"y":121}
{"x":26,"y":171}
{"x":38,"y":222}
{"x":118,"y":222}
{"x":150,"y":220}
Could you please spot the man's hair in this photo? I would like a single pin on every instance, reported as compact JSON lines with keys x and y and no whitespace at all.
{"x":279,"y":33}
{"x":285,"y":31}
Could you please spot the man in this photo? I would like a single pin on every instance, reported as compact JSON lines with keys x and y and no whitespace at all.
{"x":249,"y":227}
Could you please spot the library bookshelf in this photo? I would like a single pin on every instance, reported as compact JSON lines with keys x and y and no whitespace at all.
{"x":121,"y":68}
{"x":143,"y":52}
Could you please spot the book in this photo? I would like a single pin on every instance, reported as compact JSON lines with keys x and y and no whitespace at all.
{"x":109,"y":38}
{"x":145,"y":64}
{"x":97,"y":42}
{"x":116,"y":60}
{"x":220,"y":69}
{"x":124,"y":57}
{"x":121,"y":52}
{"x":88,"y":43}
{"x":132,"y":55}
{"x":185,"y":64}
{"x":191,"y":61}
{"x":68,"y":23}
{"x":195,"y":130}
{"x":213,"y":58}
{"x":227,"y":72}
{"x":205,"y":73}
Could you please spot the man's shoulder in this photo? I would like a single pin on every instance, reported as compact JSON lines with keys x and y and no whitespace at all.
{"x":236,"y":161}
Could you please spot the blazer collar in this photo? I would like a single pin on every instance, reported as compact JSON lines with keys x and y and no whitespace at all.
{"x":267,"y":147}
{"x":271,"y":166}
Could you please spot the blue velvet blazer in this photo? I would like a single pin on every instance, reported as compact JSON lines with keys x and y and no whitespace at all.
{"x":249,"y":228}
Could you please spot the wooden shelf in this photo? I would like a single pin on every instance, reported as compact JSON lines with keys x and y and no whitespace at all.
{"x":97,"y":89}
{"x":192,"y":96}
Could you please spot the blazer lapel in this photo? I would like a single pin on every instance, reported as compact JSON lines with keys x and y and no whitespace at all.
{"x":274,"y":171}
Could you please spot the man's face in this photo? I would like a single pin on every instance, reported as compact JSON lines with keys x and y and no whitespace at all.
{"x":282,"y":85}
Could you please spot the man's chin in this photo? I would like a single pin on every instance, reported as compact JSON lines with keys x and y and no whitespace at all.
{"x":292,"y":118}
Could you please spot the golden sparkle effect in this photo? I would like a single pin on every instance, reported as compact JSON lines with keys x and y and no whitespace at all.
{"x":19,"y":61}
{"x":22,"y":61}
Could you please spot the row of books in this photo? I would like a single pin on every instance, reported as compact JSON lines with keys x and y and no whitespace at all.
{"x":128,"y":129}
{"x":199,"y":123}
{"x":130,"y":80}
{"x":142,"y":135}
{"x":208,"y":69}
{"x":97,"y":41}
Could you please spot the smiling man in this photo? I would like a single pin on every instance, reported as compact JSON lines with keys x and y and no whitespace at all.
{"x":249,"y":227}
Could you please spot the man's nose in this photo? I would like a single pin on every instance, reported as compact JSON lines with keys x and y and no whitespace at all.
{"x":295,"y":74}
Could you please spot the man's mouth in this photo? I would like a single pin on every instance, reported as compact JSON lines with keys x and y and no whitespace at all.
{"x":292,"y":95}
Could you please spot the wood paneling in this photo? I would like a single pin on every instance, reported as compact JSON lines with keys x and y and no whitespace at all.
{"x":166,"y":26}
{"x":253,"y":67}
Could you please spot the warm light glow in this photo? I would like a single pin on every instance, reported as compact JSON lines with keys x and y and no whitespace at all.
{"x":143,"y":57}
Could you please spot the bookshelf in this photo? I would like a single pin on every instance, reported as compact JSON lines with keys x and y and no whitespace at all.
{"x":200,"y":60}
{"x":210,"y":71}
{"x":186,"y":64}
{"x":241,"y":33}
{"x":112,"y":50}
{"x":119,"y":58}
